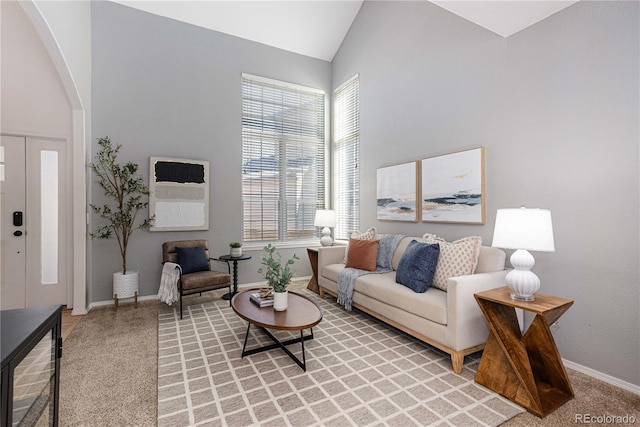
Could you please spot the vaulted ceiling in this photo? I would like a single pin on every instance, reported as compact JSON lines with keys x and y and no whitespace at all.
{"x":316,"y":28}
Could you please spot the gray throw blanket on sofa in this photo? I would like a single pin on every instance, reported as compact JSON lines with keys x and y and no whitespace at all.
{"x":347,"y":277}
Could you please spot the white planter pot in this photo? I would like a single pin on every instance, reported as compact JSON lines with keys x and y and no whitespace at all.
{"x":125,"y":285}
{"x":236,"y":252}
{"x":280,"y":300}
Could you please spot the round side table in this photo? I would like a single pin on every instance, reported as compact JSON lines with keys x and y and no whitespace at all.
{"x":233,"y":259}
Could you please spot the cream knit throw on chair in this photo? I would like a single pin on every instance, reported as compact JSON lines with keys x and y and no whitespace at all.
{"x":168,"y":292}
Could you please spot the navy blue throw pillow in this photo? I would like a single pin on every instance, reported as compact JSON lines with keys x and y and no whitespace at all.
{"x":418,"y":266}
{"x":192,"y":259}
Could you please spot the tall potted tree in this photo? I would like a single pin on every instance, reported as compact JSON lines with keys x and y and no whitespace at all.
{"x":129,"y":195}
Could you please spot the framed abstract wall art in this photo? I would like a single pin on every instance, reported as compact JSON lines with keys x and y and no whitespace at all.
{"x":397,"y":191}
{"x":179,"y":197}
{"x":453,"y":187}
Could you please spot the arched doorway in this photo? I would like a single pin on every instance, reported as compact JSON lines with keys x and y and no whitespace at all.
{"x":75,"y":257}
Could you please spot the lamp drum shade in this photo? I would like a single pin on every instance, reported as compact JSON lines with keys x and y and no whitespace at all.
{"x":524,"y":228}
{"x":325,"y":218}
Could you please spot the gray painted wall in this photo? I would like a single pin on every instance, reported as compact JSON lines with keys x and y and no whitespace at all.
{"x":165,"y":88}
{"x":556,"y":106}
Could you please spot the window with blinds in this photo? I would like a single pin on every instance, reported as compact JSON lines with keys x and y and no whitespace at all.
{"x":346,"y":155}
{"x":283,"y":158}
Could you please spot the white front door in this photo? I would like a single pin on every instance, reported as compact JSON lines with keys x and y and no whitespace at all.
{"x":34,"y":222}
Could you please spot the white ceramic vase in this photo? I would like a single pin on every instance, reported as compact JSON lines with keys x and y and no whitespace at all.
{"x":236,"y":252}
{"x":280,"y":300}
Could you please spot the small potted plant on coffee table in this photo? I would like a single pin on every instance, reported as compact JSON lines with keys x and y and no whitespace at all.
{"x":278,"y":275}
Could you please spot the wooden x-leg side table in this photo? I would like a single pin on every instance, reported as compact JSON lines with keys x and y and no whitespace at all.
{"x":526,"y":369}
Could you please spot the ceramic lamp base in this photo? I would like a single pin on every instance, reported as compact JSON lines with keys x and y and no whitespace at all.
{"x":522,"y":282}
{"x":326,"y":239}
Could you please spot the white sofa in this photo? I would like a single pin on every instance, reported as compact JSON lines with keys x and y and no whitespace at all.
{"x":451,"y":320}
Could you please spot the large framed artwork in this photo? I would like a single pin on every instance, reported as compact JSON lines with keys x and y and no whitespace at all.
{"x":179,"y":197}
{"x":453,"y":187}
{"x":397,"y":192}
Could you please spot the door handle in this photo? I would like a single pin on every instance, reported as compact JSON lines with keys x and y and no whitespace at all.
{"x":17,"y":233}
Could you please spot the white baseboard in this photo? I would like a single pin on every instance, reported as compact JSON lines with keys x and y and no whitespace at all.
{"x":126,"y":300}
{"x":154,"y":297}
{"x":602,"y":377}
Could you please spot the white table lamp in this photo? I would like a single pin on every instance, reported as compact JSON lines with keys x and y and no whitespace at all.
{"x":524,"y":230}
{"x":325,"y":218}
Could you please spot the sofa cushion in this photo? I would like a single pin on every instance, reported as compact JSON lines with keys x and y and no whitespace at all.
{"x":332,"y":271}
{"x":457,"y":258}
{"x":202,"y":280}
{"x":490,"y":259}
{"x":418,"y":266}
{"x":402,"y":246}
{"x":431,"y":305}
{"x":192,"y":259}
{"x":362,"y":254}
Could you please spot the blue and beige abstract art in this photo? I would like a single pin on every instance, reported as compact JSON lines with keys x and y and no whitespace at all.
{"x":397,"y":192}
{"x":453,"y":187}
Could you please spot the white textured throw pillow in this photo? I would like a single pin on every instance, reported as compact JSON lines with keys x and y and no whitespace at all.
{"x":458,"y":258}
{"x":370,"y":234}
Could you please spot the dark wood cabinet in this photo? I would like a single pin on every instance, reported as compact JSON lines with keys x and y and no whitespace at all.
{"x":31,"y":349}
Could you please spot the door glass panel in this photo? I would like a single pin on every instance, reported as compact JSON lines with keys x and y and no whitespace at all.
{"x":33,"y":382}
{"x":49,"y":216}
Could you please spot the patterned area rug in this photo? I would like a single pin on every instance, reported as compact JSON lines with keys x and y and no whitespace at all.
{"x":360,"y":372}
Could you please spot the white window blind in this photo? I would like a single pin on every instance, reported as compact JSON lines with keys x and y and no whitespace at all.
{"x":283,"y":157}
{"x":346,"y":156}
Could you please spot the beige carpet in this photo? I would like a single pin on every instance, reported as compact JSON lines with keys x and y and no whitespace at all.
{"x":109,"y":374}
{"x":109,"y":368}
{"x":359,"y":372}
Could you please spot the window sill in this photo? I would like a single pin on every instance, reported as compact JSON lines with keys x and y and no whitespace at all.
{"x":282,"y":245}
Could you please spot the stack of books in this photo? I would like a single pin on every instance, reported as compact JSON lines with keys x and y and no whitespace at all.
{"x":260,"y":301}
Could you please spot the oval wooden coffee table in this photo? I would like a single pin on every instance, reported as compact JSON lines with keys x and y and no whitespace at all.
{"x":301,"y":314}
